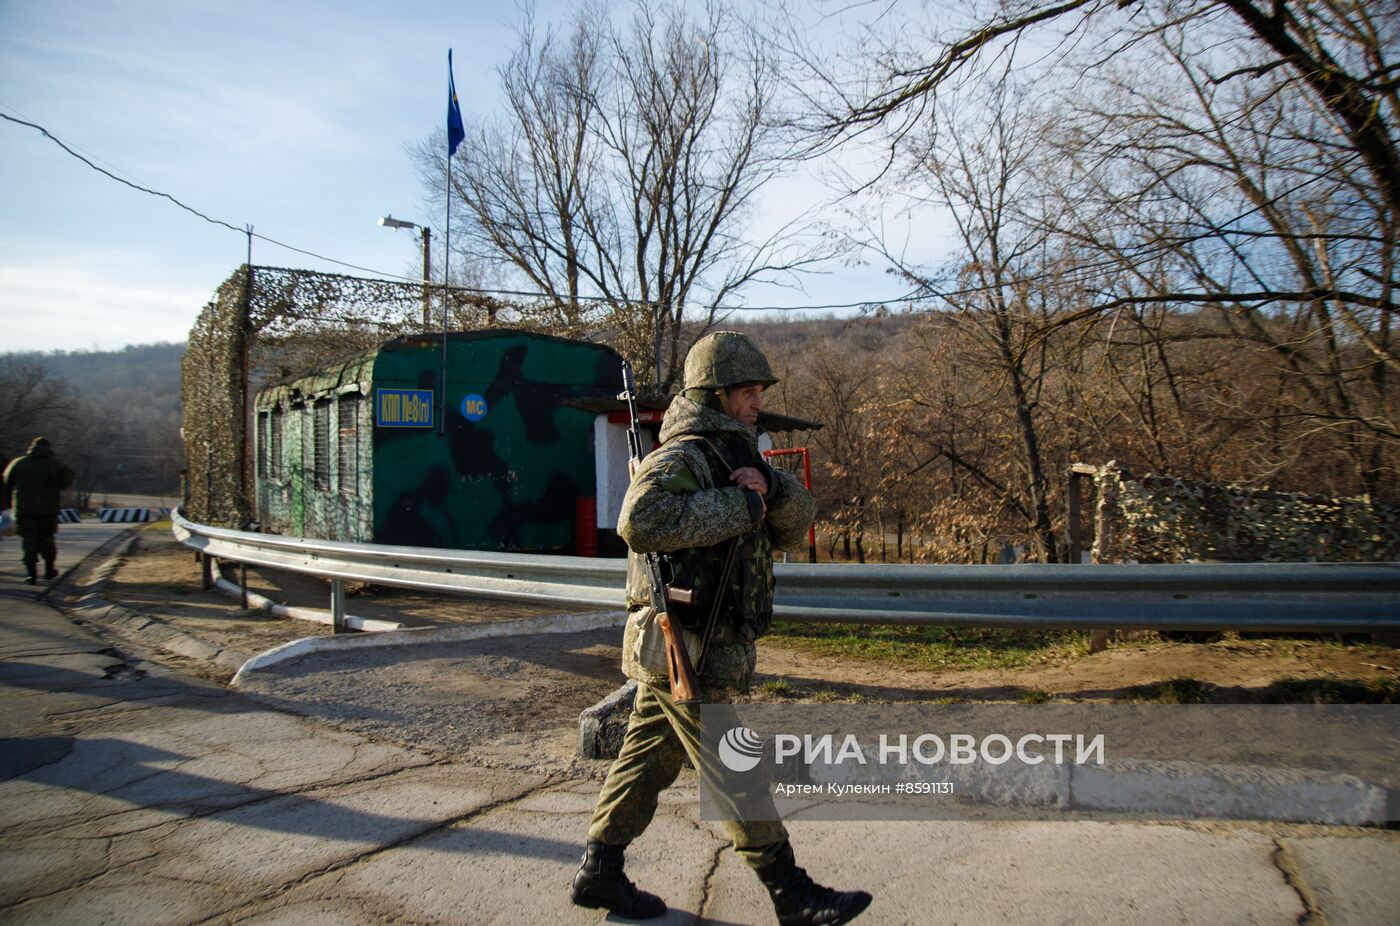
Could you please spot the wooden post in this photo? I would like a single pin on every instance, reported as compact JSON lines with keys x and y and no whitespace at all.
{"x":1076,"y":527}
{"x":1098,"y":639}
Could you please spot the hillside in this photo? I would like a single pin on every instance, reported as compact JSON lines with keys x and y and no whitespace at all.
{"x":146,"y":374}
{"x":114,"y":416}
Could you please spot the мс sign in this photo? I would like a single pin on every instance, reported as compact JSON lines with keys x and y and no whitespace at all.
{"x":473,"y":407}
{"x":403,"y":408}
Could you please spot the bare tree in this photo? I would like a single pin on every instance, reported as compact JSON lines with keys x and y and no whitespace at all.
{"x":1338,"y":52}
{"x":1225,"y":171}
{"x":1232,"y":195}
{"x":31,"y":401}
{"x":980,"y":161}
{"x":620,"y":180}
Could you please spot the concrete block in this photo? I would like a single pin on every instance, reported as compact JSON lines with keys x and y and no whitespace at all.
{"x":313,"y":831}
{"x":602,"y":726}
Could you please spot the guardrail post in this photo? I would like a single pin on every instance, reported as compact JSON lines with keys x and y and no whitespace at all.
{"x":337,"y":606}
{"x":243,"y":583}
{"x":206,"y":572}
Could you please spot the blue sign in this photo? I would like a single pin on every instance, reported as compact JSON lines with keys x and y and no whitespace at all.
{"x":473,"y":408}
{"x":403,"y":408}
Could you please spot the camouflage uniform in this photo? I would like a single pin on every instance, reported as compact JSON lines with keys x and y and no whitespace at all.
{"x":719,"y":537}
{"x":681,"y":500}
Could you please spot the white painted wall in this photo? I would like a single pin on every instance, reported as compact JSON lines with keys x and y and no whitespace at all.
{"x":610,"y":458}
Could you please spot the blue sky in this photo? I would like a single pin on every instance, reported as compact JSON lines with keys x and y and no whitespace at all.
{"x":290,"y":116}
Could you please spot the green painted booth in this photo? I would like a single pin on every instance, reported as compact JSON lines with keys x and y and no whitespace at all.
{"x":375,"y":450}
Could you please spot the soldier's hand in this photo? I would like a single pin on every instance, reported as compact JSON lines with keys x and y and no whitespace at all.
{"x":748,"y":477}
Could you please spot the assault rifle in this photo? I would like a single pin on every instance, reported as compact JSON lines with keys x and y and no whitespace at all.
{"x":685,"y":687}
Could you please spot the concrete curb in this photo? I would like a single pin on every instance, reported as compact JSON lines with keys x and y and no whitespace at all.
{"x":89,"y":576}
{"x":564,"y":623}
{"x":1231,"y":792}
{"x":1157,"y":789}
{"x":79,"y":595}
{"x":1151,"y":788}
{"x":1124,"y":786}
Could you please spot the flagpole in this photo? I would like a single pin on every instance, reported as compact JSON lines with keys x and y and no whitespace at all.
{"x":446,"y":265}
{"x":455,"y":134}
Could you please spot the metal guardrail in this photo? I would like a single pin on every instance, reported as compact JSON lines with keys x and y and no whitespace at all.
{"x":1278,"y":597}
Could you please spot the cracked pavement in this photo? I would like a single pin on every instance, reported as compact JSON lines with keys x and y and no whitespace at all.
{"x":130,"y":793}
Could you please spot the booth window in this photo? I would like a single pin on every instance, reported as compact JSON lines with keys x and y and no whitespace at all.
{"x":262,"y":445}
{"x":321,"y":451}
{"x":348,"y":416}
{"x":275,"y":458}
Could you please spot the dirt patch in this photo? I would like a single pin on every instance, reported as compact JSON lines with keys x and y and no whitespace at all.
{"x":506,"y":702}
{"x":1230,"y":663}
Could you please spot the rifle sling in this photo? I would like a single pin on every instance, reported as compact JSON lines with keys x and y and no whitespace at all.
{"x":712,"y":620}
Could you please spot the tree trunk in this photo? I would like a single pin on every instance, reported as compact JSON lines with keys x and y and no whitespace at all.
{"x":880,"y":522}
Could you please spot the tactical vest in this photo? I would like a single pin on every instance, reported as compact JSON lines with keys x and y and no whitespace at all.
{"x":732,"y":579}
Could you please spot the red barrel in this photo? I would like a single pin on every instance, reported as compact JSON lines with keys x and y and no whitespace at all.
{"x":585,"y":526}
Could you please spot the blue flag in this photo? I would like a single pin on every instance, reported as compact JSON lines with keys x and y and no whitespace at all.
{"x":455,"y":131}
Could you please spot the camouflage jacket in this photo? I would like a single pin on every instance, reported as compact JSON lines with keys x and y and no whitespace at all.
{"x":681,"y":501}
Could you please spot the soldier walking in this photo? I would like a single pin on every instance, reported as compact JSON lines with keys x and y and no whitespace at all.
{"x":707,"y":498}
{"x":34,"y":482}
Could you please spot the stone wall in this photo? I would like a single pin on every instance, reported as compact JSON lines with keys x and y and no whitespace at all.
{"x":1160,"y":519}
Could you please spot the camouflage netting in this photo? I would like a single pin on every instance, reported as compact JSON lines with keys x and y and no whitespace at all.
{"x":212,"y":402}
{"x":288,"y":323}
{"x":1159,"y":519}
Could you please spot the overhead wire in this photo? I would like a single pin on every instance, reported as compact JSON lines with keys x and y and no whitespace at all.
{"x":924,"y":292}
{"x":247,"y":231}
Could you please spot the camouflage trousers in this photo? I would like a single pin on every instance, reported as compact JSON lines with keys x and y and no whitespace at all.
{"x":660,"y":735}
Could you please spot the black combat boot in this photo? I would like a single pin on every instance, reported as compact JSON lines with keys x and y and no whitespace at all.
{"x":800,"y":901}
{"x":31,"y":576}
{"x":49,"y":571}
{"x":601,"y":883}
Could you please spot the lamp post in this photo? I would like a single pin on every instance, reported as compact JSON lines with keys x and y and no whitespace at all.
{"x":388,"y":221}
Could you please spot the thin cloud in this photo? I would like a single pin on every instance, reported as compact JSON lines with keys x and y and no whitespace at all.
{"x":95,"y":309}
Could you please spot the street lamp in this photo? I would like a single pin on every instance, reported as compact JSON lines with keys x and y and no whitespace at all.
{"x":388,"y":221}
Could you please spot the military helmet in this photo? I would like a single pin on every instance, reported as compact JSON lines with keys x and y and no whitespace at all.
{"x":726,"y":358}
